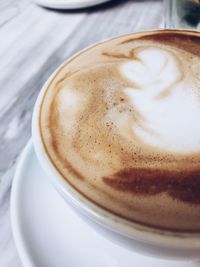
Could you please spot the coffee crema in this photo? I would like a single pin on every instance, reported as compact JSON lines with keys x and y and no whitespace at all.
{"x":120,"y":122}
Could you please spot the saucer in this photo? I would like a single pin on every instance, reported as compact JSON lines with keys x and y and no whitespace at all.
{"x":48,"y":232}
{"x":69,"y":4}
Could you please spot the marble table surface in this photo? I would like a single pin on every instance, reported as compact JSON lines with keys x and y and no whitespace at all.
{"x":34,"y":41}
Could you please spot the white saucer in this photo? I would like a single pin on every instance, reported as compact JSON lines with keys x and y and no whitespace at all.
{"x":48,"y":233}
{"x":69,"y":4}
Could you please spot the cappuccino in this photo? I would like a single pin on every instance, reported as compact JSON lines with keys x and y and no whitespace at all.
{"x":120,"y":123}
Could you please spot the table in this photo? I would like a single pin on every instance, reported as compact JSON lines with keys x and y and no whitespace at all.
{"x":34,"y":41}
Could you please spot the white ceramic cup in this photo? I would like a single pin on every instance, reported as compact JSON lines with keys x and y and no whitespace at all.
{"x":139,"y":238}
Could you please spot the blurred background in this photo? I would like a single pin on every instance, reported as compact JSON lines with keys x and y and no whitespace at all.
{"x":34,"y":41}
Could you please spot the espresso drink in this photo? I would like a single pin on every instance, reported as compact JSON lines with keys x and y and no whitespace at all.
{"x":121,"y":123}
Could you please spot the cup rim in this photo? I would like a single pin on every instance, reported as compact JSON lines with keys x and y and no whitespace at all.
{"x":111,"y":221}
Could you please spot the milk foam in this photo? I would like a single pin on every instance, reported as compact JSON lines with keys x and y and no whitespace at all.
{"x":120,"y":122}
{"x":169,"y":121}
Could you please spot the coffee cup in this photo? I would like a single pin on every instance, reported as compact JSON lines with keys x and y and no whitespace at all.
{"x":115,"y":128}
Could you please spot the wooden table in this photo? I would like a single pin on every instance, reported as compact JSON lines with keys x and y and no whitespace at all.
{"x":33,"y":42}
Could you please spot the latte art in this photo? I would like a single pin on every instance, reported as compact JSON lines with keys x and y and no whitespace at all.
{"x":164,"y":99}
{"x":120,"y":122}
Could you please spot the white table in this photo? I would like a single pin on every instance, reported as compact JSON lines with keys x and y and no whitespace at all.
{"x":33,"y":42}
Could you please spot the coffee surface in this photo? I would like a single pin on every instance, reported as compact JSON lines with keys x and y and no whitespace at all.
{"x":121,"y":123}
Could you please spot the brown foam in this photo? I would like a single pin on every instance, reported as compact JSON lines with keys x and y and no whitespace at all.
{"x":180,"y":40}
{"x":86,"y":128}
{"x":181,"y":185}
